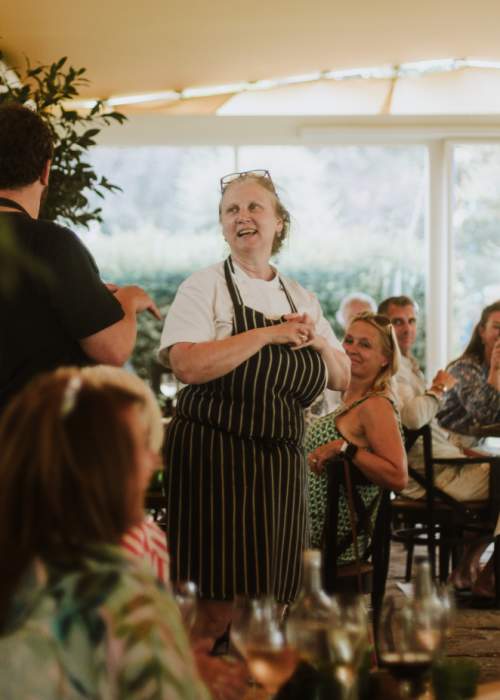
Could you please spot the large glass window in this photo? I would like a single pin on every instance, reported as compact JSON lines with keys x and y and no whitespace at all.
{"x":164,"y":221}
{"x":476,"y":236}
{"x":357,"y":218}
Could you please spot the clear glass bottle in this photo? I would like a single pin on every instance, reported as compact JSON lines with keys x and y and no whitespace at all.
{"x":429,"y":611}
{"x":314,"y":615}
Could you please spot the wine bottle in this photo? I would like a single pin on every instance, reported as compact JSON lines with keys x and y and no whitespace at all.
{"x":428,"y":607}
{"x":313,"y":615}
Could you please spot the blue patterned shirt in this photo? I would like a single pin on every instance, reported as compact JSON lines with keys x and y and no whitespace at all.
{"x":472,"y":401}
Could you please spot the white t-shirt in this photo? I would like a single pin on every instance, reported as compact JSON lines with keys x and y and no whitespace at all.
{"x":203,"y":310}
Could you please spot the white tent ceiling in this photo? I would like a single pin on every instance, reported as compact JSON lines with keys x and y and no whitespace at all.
{"x":173,"y":44}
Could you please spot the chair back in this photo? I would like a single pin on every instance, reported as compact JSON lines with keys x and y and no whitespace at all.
{"x":369,"y":574}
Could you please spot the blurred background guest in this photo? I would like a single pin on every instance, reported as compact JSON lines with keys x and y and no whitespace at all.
{"x":255,"y":350}
{"x":83,"y":617}
{"x":352,"y":305}
{"x":475,"y":398}
{"x":366,"y":428}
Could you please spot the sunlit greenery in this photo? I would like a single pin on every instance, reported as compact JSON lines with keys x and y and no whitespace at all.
{"x":357,"y":221}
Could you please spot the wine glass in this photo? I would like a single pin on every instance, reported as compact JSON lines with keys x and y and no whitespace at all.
{"x":408,"y":639}
{"x":185,"y":596}
{"x":349,"y":638}
{"x":244,"y":610}
{"x":259,"y":637}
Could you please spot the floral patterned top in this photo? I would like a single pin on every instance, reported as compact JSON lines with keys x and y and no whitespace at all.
{"x":472,"y":401}
{"x":104,"y":631}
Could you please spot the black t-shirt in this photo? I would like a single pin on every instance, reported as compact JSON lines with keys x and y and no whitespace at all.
{"x":46,"y":314}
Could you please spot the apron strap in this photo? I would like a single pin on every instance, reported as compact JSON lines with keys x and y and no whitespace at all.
{"x":235,"y":292}
{"x":233,"y":289}
{"x":290,"y":300}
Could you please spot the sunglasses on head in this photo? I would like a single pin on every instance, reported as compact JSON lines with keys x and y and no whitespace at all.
{"x":232,"y":177}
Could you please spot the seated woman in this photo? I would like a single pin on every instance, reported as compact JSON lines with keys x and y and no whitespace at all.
{"x":366,"y":427}
{"x":147,"y":542}
{"x":145,"y":539}
{"x":475,"y":398}
{"x":78,"y":617}
{"x":472,"y":402}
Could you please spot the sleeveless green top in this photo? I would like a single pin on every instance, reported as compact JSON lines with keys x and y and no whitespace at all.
{"x":368,"y":496}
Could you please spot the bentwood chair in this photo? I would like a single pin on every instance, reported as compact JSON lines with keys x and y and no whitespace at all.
{"x":369,"y":575}
{"x":439,"y":521}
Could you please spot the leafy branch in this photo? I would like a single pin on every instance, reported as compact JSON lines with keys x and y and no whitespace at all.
{"x":50,"y":89}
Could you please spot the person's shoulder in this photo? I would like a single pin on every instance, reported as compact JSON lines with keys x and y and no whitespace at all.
{"x":52,"y":229}
{"x":207,"y":276}
{"x":44,"y":232}
{"x":465,"y":365}
{"x":116,"y":573}
{"x":382,"y":401}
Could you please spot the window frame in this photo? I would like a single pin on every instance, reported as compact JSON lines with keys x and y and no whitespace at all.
{"x":438,"y":134}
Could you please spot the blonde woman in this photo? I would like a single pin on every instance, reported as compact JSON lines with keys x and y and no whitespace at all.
{"x":365,"y":427}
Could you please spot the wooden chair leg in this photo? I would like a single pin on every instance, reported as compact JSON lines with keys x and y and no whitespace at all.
{"x":409,"y":560}
{"x":444,"y":561}
{"x":496,"y":566}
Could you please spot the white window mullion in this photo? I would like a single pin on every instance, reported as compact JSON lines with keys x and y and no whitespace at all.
{"x":438,"y":301}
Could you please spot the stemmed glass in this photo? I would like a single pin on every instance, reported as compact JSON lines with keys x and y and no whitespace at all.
{"x":408,"y":640}
{"x":259,"y":637}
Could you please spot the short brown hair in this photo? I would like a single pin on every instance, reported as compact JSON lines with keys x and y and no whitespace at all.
{"x":401,"y":301}
{"x":279,"y":207}
{"x":26,"y":144}
{"x":66,"y":473}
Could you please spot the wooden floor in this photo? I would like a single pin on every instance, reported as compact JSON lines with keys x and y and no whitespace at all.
{"x":477,"y":631}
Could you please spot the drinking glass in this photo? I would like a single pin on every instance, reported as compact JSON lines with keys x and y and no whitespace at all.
{"x":260,"y":639}
{"x":349,"y":638}
{"x":448,"y":609}
{"x":168,"y":385}
{"x":408,"y":640}
{"x":185,"y":596}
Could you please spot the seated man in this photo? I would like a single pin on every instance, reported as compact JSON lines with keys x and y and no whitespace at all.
{"x":419,"y":406}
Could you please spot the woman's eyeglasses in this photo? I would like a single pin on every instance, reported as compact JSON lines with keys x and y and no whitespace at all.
{"x":227,"y":179}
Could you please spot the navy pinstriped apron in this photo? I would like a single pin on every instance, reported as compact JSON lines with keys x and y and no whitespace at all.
{"x":235,"y":474}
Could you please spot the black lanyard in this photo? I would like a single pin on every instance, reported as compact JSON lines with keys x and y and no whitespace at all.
{"x":4,"y":202}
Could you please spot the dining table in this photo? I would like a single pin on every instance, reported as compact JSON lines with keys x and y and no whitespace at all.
{"x":485,"y":691}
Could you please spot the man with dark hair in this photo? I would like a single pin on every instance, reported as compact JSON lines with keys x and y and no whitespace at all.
{"x":419,"y":406}
{"x":67,"y":315}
